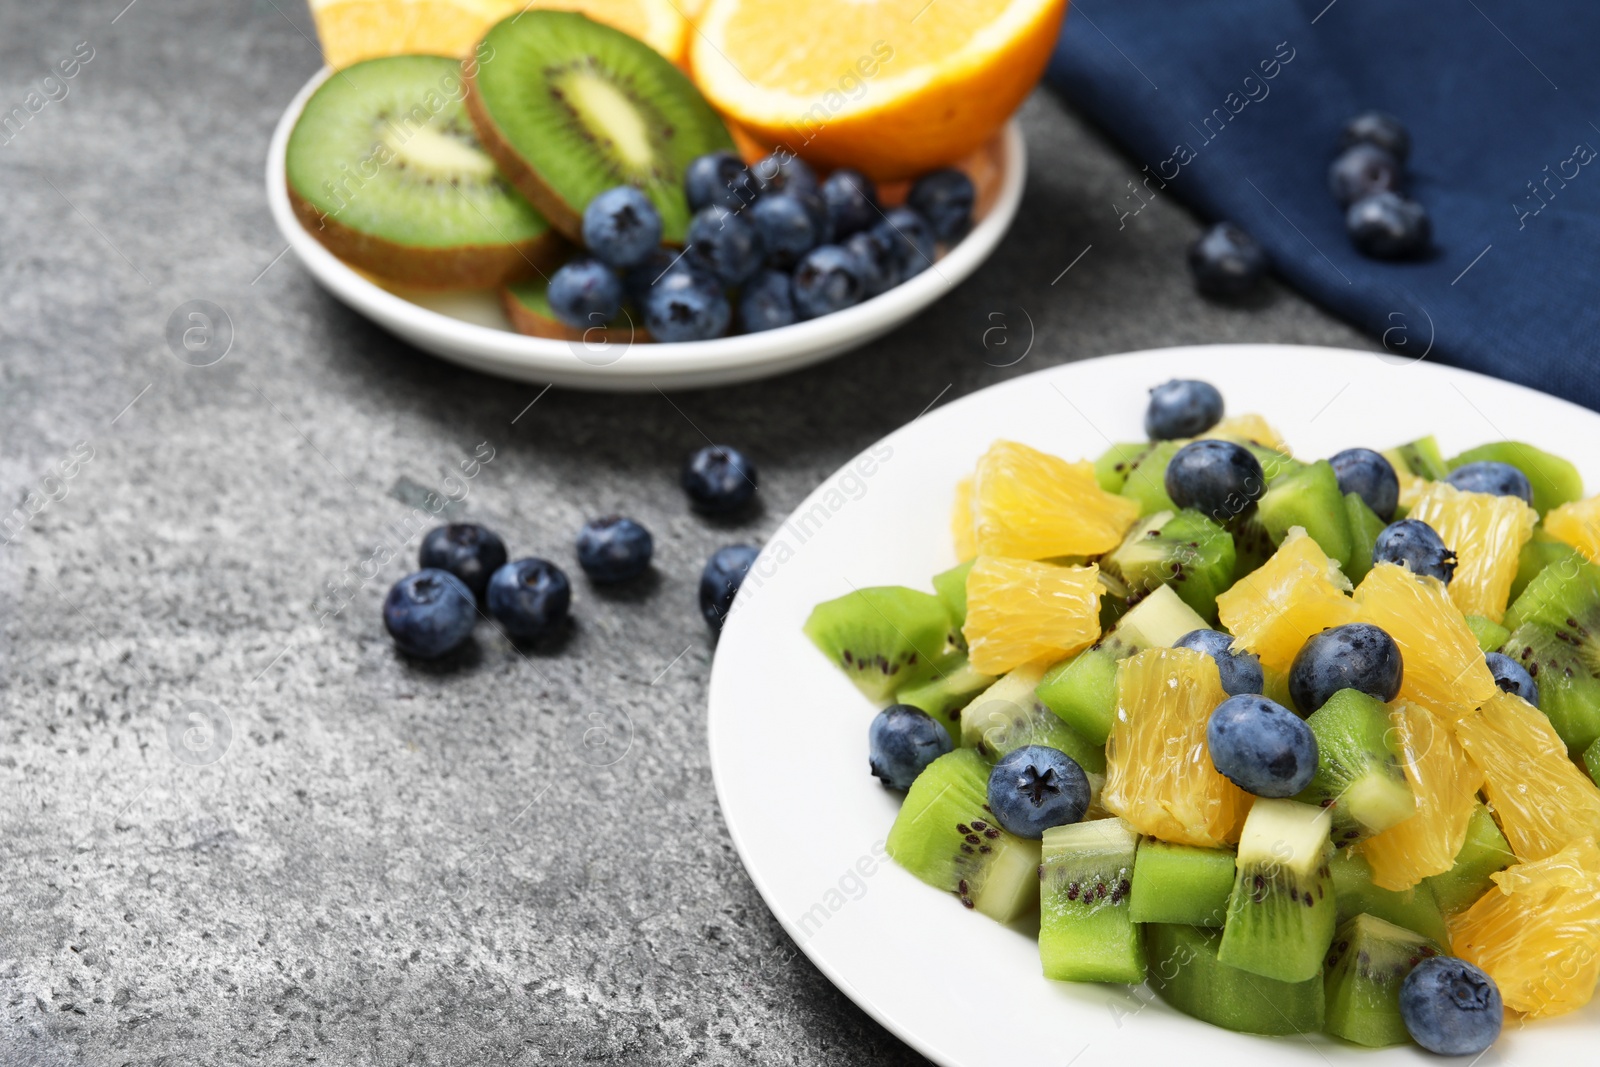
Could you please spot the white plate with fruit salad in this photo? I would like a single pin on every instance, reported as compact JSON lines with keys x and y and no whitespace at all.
{"x":1406,"y":823}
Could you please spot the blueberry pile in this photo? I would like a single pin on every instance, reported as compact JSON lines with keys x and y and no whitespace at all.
{"x":1368,"y":181}
{"x":769,"y":245}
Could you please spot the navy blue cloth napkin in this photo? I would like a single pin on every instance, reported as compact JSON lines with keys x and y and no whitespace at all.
{"x":1234,"y":107}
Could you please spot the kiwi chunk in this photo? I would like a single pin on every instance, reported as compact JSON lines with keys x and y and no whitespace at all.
{"x":946,"y":835}
{"x":884,"y":637}
{"x":951,"y":585}
{"x":1181,"y":884}
{"x":384,"y":168}
{"x":1309,"y":497}
{"x":1111,"y":469}
{"x":1182,"y":550}
{"x":1541,"y":551}
{"x":1420,"y":457}
{"x":1484,"y":852}
{"x":1358,"y":769}
{"x":1007,"y":716}
{"x":570,"y":108}
{"x":1085,"y":885}
{"x":1555,"y":481}
{"x":1368,"y":961}
{"x":1186,"y":972}
{"x":1490,"y":635}
{"x":1146,"y":480}
{"x":1354,"y":894}
{"x":950,"y":690}
{"x":1591,"y":761}
{"x":1365,"y":526}
{"x":1281,"y":912}
{"x":1561,"y":660}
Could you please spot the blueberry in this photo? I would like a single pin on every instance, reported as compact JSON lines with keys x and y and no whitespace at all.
{"x":1369,"y":476}
{"x":636,"y":281}
{"x":584,"y":293}
{"x":621,"y":227}
{"x":721,"y":579}
{"x":614,"y":549}
{"x":1414,"y":544}
{"x":945,"y":198}
{"x":1226,"y":262}
{"x":1182,"y":408}
{"x":1261,"y":747}
{"x":901,"y":741}
{"x":465,"y":549}
{"x":1451,"y":1007}
{"x":852,"y":202}
{"x":1361,"y":170}
{"x":880,"y":271}
{"x":1357,"y":655}
{"x":1510,"y":676}
{"x":720,"y":179}
{"x":726,"y":243}
{"x":1035,"y":788}
{"x":787,"y":228}
{"x":1219,"y":478}
{"x":429,"y":613}
{"x":1388,"y":226}
{"x":530,"y":597}
{"x":909,"y":238}
{"x":1240,"y":671}
{"x":766,"y":303}
{"x":828,"y":279}
{"x":685,"y":306}
{"x":719,"y":479}
{"x":783,"y":172}
{"x":1487,"y":476}
{"x":1377,"y":128}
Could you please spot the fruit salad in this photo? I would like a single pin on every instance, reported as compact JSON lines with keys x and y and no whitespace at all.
{"x":1306,"y":744}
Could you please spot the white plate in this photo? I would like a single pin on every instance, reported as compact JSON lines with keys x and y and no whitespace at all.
{"x":471,"y":329}
{"x":788,"y":732}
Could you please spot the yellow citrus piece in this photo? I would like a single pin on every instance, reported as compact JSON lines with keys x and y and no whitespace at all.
{"x":961,"y":530}
{"x":1578,"y":524}
{"x":1487,"y":533}
{"x":1411,"y":487}
{"x":1159,"y":775}
{"x":891,"y":87}
{"x":1442,"y":666}
{"x":1445,"y":784}
{"x":1244,"y":428}
{"x":1298,"y":592}
{"x":1538,"y":936}
{"x":1019,"y":610}
{"x":1032,"y":505}
{"x":1542,"y":799}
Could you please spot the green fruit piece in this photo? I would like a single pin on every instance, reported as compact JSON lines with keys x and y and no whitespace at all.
{"x":1365,"y":526}
{"x":1554,"y":480}
{"x":1275,"y":465}
{"x":1281,"y":912}
{"x":1111,"y":469}
{"x":1181,"y":884}
{"x":1358,"y":769}
{"x":570,"y":108}
{"x":1540,"y":552}
{"x":1490,"y":634}
{"x":932,"y":837}
{"x":883,"y":637}
{"x":1591,"y":761}
{"x":1368,"y":961}
{"x":1354,"y":894}
{"x":951,"y":585}
{"x":950,"y":690}
{"x":1561,"y":660}
{"x":1146,"y":480}
{"x":1421,"y":457}
{"x":1007,"y":716}
{"x":1484,"y":852}
{"x":1252,"y":543}
{"x":1310,"y":498}
{"x":1186,"y":972}
{"x":1085,"y":879}
{"x":1182,"y":550}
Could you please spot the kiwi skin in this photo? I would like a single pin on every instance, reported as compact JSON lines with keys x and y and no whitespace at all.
{"x":527,"y":321}
{"x":523,"y":178}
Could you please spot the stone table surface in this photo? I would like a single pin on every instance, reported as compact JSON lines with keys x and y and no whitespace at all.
{"x":391,"y":863}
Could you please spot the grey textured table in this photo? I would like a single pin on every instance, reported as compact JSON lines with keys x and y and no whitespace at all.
{"x":392,"y":864}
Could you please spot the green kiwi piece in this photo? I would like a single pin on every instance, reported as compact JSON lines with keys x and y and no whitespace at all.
{"x":383,"y":167}
{"x":1591,"y":761}
{"x":1354,"y":893}
{"x":1111,"y":468}
{"x":951,"y":585}
{"x":946,"y":835}
{"x":1309,"y":497}
{"x":1555,"y":481}
{"x":1252,"y":543}
{"x":527,"y":305}
{"x":944,"y":696}
{"x":884,"y":637}
{"x":570,"y":108}
{"x":1365,"y":526}
{"x":1185,"y":971}
{"x":1182,"y":550}
{"x":1358,"y":769}
{"x":1490,"y":635}
{"x":1181,"y":884}
{"x":1083,"y":689}
{"x":1562,"y":661}
{"x":1420,"y":457}
{"x":1085,"y":885}
{"x":1146,"y":480}
{"x":1368,"y":961}
{"x":1007,"y":716}
{"x":1541,"y":551}
{"x":1281,"y":912}
{"x":1484,"y":852}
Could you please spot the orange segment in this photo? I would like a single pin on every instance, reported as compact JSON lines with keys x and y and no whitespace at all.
{"x":891,"y":87}
{"x":1018,"y":610}
{"x":1443,"y":666}
{"x":1296,"y":593}
{"x":1031,"y":505}
{"x":1578,"y":524}
{"x":1445,"y":784}
{"x":1244,"y":428}
{"x":1487,"y":534}
{"x":961,"y":530}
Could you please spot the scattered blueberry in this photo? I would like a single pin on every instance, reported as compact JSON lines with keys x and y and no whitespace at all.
{"x":1369,"y":476}
{"x":766,"y":303}
{"x":1388,"y":226}
{"x":721,"y":579}
{"x":530,"y":597}
{"x":1377,"y":128}
{"x":879,"y":270}
{"x":1451,"y":1007}
{"x":1510,"y":676}
{"x":1182,"y":408}
{"x":1414,"y":544}
{"x":1240,"y":671}
{"x":1226,"y":262}
{"x":621,"y":227}
{"x":614,"y":549}
{"x":685,"y":305}
{"x":726,"y":243}
{"x":719,"y":479}
{"x":787,"y":228}
{"x":467,"y":550}
{"x":827,"y":279}
{"x":429,"y":613}
{"x":1357,"y":655}
{"x":719,"y":179}
{"x":910,"y":238}
{"x":783,"y":172}
{"x":901,"y":741}
{"x":852,"y":202}
{"x":1035,"y":788}
{"x":945,"y":198}
{"x":584,"y":293}
{"x":1361,"y":170}
{"x":1261,"y":747}
{"x":1219,"y":478}
{"x":1487,"y":476}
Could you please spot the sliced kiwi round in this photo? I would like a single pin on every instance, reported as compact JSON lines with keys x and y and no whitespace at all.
{"x":527,"y":305}
{"x":384,"y":168}
{"x":570,"y":108}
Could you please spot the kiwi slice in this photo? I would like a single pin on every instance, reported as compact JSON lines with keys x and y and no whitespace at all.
{"x":1355,"y":894}
{"x":1186,"y":972}
{"x":1309,"y":497}
{"x":1007,"y":716}
{"x":1555,"y":635}
{"x":948,"y":692}
{"x":1489,"y":634}
{"x":1252,"y":542}
{"x":1541,"y":551}
{"x":1358,"y":769}
{"x":385,"y":170}
{"x":527,"y":305}
{"x":1145,"y":481}
{"x":884,"y":637}
{"x":1591,"y":761}
{"x":1111,"y":469}
{"x":951,"y":585}
{"x":1368,"y":961}
{"x":1420,"y":457}
{"x":1555,"y":481}
{"x":1086,"y":933}
{"x":1281,"y":912}
{"x":1484,"y":852}
{"x":1181,"y":884}
{"x":570,"y":108}
{"x":946,"y":835}
{"x":1182,"y":550}
{"x":1365,"y":526}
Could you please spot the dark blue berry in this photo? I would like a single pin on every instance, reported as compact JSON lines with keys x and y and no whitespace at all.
{"x":1357,"y":655}
{"x":621,"y":227}
{"x":945,"y":198}
{"x":852,"y":202}
{"x":1035,"y":788}
{"x":787,"y":227}
{"x":901,"y":741}
{"x":465,"y":549}
{"x":719,"y":179}
{"x":766,"y":303}
{"x":1219,"y":478}
{"x":1488,"y":476}
{"x":429,"y":613}
{"x":585,"y":293}
{"x":1388,"y":226}
{"x":1181,"y":408}
{"x":1380,"y":129}
{"x":827,"y":279}
{"x":1451,"y":1007}
{"x":614,"y":549}
{"x":1361,"y":170}
{"x":530,"y":597}
{"x":1369,"y":476}
{"x":1261,"y":747}
{"x":909,"y":238}
{"x":1512,"y":677}
{"x":1240,"y":671}
{"x":726,"y":243}
{"x":1226,"y":262}
{"x":719,"y":479}
{"x":720,"y":581}
{"x":784,"y":172}
{"x":1414,"y":544}
{"x":685,"y":306}
{"x":636,"y":281}
{"x":880,"y":271}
